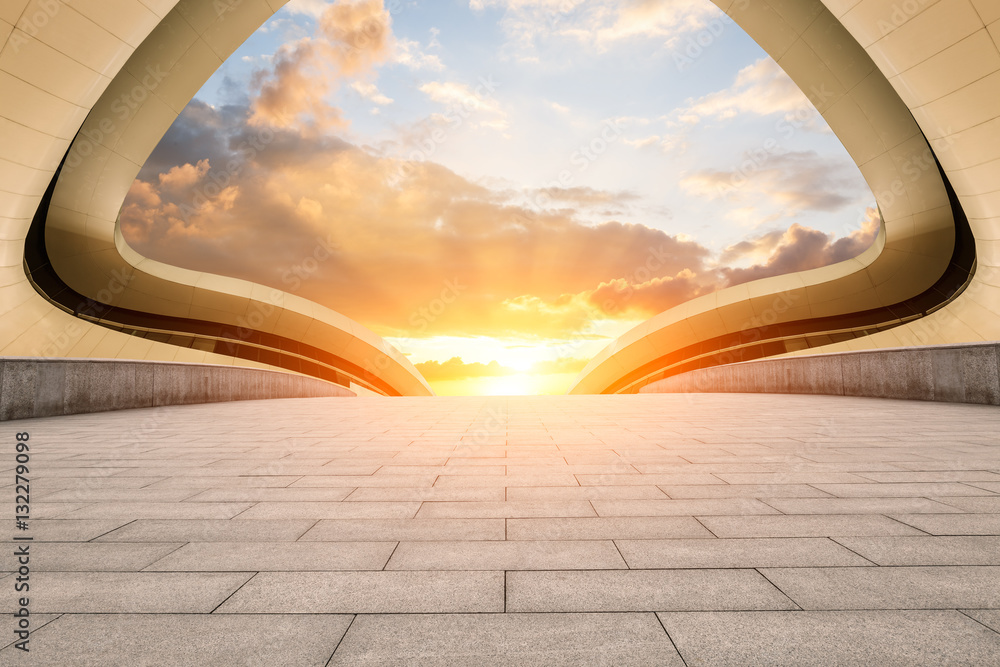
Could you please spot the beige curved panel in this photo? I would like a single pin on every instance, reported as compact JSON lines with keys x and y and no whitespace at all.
{"x":111,"y":77}
{"x":878,"y":94}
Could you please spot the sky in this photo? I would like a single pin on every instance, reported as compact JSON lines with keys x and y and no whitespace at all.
{"x":500,"y":187}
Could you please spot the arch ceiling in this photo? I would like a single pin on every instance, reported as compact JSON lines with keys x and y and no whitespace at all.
{"x":88,"y":90}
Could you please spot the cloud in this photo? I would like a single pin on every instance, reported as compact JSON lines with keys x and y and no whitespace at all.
{"x":313,"y":8}
{"x":761,"y":89}
{"x":462,"y":100}
{"x":350,"y":40}
{"x":603,"y":24}
{"x":585,"y":196}
{"x":412,"y":249}
{"x":411,"y":55}
{"x":370,"y":92}
{"x":456,"y":369}
{"x":789,"y":182}
{"x":797,"y":249}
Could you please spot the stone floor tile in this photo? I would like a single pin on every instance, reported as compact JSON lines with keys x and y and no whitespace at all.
{"x":130,"y":592}
{"x":75,"y":530}
{"x":860,"y":506}
{"x":405,"y":530}
{"x":275,"y":557}
{"x":507,"y":555}
{"x":91,"y":556}
{"x":819,"y":639}
{"x":398,"y":494}
{"x":952,"y":524}
{"x":270,"y":494}
{"x":506,"y":640}
{"x":100,"y":640}
{"x":535,"y":493}
{"x":736,"y":553}
{"x":963,"y":550}
{"x":947,"y":587}
{"x":514,"y":509}
{"x":646,"y":479}
{"x":988,"y":617}
{"x":791,"y":477}
{"x":744,"y":491}
{"x":451,"y":481}
{"x":368,"y":593}
{"x":976,"y":505}
{"x":696,"y":507}
{"x":642,"y":590}
{"x":817,"y":525}
{"x":317,"y":510}
{"x":606,"y":528}
{"x":196,"y":530}
{"x":158,"y":511}
{"x":900,"y":490}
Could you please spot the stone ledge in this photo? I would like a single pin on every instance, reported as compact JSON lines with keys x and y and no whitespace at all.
{"x":949,"y":373}
{"x":39,"y":387}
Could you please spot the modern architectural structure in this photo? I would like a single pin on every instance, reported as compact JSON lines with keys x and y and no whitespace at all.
{"x":87,"y":90}
{"x":912,"y":89}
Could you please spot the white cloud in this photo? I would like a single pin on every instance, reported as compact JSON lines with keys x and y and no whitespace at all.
{"x":409,"y":54}
{"x":645,"y":142}
{"x":463,"y":100}
{"x":558,"y":108}
{"x":601,"y":23}
{"x":762,"y":89}
{"x":370,"y":92}
{"x":313,"y":8}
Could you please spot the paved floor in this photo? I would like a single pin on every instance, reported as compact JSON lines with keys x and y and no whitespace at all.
{"x":634,"y":530}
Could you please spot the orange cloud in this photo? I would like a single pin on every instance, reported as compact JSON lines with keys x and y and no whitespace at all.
{"x":798,"y":249}
{"x":350,"y":38}
{"x":412,"y":249}
{"x":456,"y":369}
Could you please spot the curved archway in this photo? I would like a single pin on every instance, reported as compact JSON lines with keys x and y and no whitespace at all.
{"x":77,"y":74}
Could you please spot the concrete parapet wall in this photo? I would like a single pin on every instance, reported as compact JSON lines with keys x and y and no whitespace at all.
{"x":33,"y":387}
{"x":968,"y":373}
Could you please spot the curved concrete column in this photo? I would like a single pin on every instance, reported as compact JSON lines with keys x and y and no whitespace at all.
{"x":93,"y":87}
{"x":914,"y":98}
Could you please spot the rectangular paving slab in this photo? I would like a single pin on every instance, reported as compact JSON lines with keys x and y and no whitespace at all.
{"x":641,"y":590}
{"x":368,"y":593}
{"x":949,"y":587}
{"x":97,"y":640}
{"x":506,"y":640}
{"x":948,"y":550}
{"x":806,"y":526}
{"x":131,"y":592}
{"x":506,"y":555}
{"x":736,"y":553}
{"x":819,"y":639}
{"x":275,"y":557}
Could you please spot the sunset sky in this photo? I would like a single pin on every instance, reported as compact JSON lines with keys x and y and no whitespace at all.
{"x":502,"y":186}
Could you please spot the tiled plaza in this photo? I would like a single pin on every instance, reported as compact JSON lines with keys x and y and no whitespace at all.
{"x":595,"y":530}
